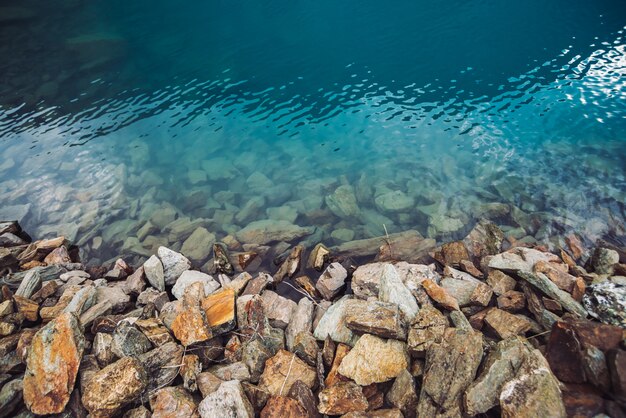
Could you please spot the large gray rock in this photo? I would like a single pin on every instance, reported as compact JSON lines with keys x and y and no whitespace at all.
{"x":174,"y":264}
{"x":403,"y":394}
{"x":333,"y":323}
{"x":153,"y":268}
{"x":342,"y":202}
{"x":198,"y":246}
{"x":267,"y":231}
{"x":278,"y":309}
{"x":394,"y":201}
{"x":129,"y":341}
{"x":189,"y":277}
{"x":394,"y":291}
{"x":301,"y":321}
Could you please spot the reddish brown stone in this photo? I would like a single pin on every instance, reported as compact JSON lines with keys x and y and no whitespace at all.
{"x":52,"y":365}
{"x":27,"y":307}
{"x":342,"y":398}
{"x":439,"y":295}
{"x":173,"y":402}
{"x":582,"y":401}
{"x":578,"y":290}
{"x":575,"y":246}
{"x":333,"y":376}
{"x":452,"y":254}
{"x":512,"y":301}
{"x":603,"y":336}
{"x":478,"y":319}
{"x":58,"y":256}
{"x":564,"y":354}
{"x":506,"y":325}
{"x":469,"y":267}
{"x":551,"y":304}
{"x":616,"y":360}
{"x":283,"y":407}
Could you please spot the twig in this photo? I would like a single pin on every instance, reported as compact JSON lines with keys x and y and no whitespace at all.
{"x":539,"y":335}
{"x":287,"y":376}
{"x":388,"y":241}
{"x":303,"y":292}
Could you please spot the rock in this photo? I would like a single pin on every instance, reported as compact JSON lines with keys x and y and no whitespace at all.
{"x":427,"y":328}
{"x":115,"y":386}
{"x":58,"y":256}
{"x":235,"y":371}
{"x":333,"y":375}
{"x":229,"y":400}
{"x":379,"y":318}
{"x":450,"y":368}
{"x":512,"y":301}
{"x":366,"y":280}
{"x":82,"y":300}
{"x":258,"y":284}
{"x":26,"y":307}
{"x":116,"y":297}
{"x":191,"y":276}
{"x":283,"y":370}
{"x":333,"y":323}
{"x":603,"y":260}
{"x":408,"y":245}
{"x":481,"y":296}
{"x":52,"y":365}
{"x":394,"y":201}
{"x":343,"y":202}
{"x":403,"y":394}
{"x":246,"y":259}
{"x":303,"y":394}
{"x":219,"y":309}
{"x":190,"y":325}
{"x":461,"y":290}
{"x":153,"y":269}
{"x":305,"y":346}
{"x":342,"y":398}
{"x":318,"y":257}
{"x":207,"y":383}
{"x":331,"y":281}
{"x":534,"y":392}
{"x":452,"y":254}
{"x":616,"y":361}
{"x":173,"y":402}
{"x":278,"y":309}
{"x":10,"y":397}
{"x":162,"y":364}
{"x":101,"y":349}
{"x":394,"y":291}
{"x":562,"y":279}
{"x":268,"y":231}
{"x":282,"y":406}
{"x":359,"y":365}
{"x":500,"y":366}
{"x":291,"y":265}
{"x":541,"y":282}
{"x":129,"y":341}
{"x":30,"y":284}
{"x":439,"y":295}
{"x":484,"y":239}
{"x":254,"y":354}
{"x":606,"y":302}
{"x":500,"y":282}
{"x":506,"y":325}
{"x":174,"y":264}
{"x":521,"y":259}
{"x":301,"y":321}
{"x":221,"y":261}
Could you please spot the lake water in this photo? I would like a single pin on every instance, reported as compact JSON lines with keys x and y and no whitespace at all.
{"x":429,"y":115}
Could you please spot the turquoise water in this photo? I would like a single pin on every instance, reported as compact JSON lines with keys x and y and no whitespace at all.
{"x":434,"y":114}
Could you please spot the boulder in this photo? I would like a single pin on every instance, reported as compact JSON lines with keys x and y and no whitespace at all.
{"x":390,"y":359}
{"x":191,"y":276}
{"x":342,"y":398}
{"x":342,"y":202}
{"x":393,"y":290}
{"x":174,"y":264}
{"x":229,"y":400}
{"x":114,"y":387}
{"x":268,"y":231}
{"x":52,"y":365}
{"x":153,"y":269}
{"x":379,"y":318}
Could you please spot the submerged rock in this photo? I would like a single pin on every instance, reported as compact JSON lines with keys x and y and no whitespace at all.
{"x":343,"y":202}
{"x":268,"y":231}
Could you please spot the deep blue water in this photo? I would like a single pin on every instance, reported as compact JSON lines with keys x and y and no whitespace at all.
{"x":112,"y":112}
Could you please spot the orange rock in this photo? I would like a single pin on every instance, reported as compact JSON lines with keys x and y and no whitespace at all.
{"x":52,"y":364}
{"x":219,"y":308}
{"x":27,"y":307}
{"x":342,"y":398}
{"x":574,"y":244}
{"x":58,"y":256}
{"x":439,"y":295}
{"x":578,"y":291}
{"x":283,"y":407}
{"x":333,"y":376}
{"x":190,"y":326}
{"x":173,"y":402}
{"x":283,"y":370}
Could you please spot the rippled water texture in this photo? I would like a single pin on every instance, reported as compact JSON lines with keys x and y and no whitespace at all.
{"x":429,"y":114}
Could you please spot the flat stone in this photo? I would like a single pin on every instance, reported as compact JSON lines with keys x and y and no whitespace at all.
{"x":521,"y":259}
{"x":541,"y":282}
{"x":451,"y":367}
{"x":234,"y":371}
{"x":283,"y":370}
{"x":173,"y":402}
{"x":229,"y":400}
{"x":562,"y":279}
{"x":115,"y":386}
{"x":393,"y":290}
{"x":52,"y":365}
{"x":153,"y":269}
{"x":408,"y":245}
{"x":391,"y":358}
{"x":192,"y":276}
{"x":427,"y":328}
{"x":174,"y":264}
{"x":342,"y":398}
{"x":219,"y":308}
{"x":506,"y":325}
{"x":439,"y":295}
{"x":30,"y":283}
{"x":301,"y":321}
{"x":481,"y":296}
{"x":333,"y":323}
{"x":278,"y":309}
{"x":331,"y":281}
{"x":268,"y":231}
{"x":379,"y":318}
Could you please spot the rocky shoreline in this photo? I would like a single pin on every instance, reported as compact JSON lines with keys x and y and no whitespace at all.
{"x":383,"y":327}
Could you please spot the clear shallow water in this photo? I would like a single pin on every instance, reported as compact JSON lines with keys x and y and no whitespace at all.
{"x":112,"y":114}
